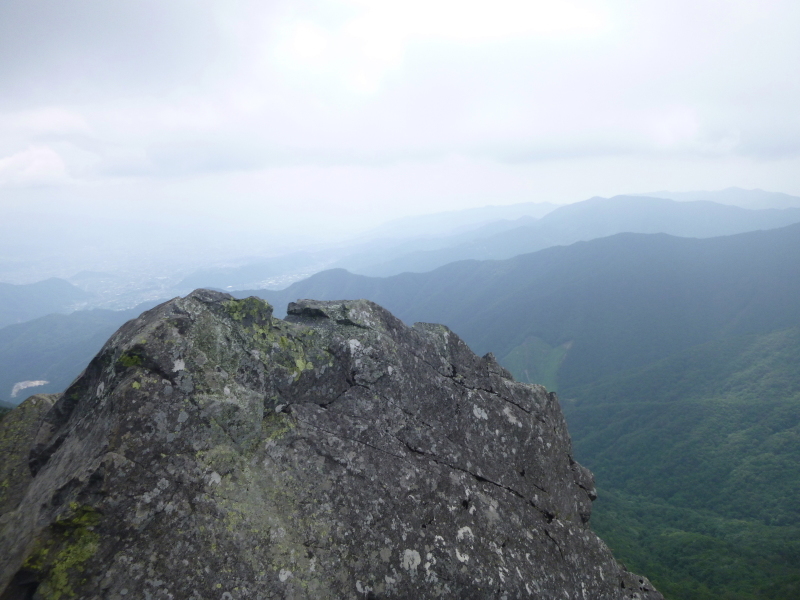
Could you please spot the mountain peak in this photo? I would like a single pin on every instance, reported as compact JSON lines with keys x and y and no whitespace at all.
{"x":211,"y":448}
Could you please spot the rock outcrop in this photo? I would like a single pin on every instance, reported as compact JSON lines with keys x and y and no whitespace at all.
{"x":212,"y":451}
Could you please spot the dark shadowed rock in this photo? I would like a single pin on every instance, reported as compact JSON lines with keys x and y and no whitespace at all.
{"x":212,"y":451}
{"x":17,"y":430}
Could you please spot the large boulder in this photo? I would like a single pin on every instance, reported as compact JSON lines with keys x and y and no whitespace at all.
{"x":212,"y":451}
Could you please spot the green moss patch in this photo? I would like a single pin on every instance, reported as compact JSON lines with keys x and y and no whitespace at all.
{"x":129,"y":360}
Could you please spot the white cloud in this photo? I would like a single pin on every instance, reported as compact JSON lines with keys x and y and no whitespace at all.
{"x":48,"y":120}
{"x":360,"y":50}
{"x":36,"y":165}
{"x":366,"y":95}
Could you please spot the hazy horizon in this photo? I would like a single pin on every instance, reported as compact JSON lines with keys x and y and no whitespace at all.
{"x":170,"y":130}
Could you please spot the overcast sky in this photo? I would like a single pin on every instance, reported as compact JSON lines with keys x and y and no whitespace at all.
{"x":289,"y":118}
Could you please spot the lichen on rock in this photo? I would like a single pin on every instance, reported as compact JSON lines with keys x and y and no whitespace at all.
{"x":211,"y":450}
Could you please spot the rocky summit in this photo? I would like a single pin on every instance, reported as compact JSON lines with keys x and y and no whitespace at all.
{"x":212,"y":451}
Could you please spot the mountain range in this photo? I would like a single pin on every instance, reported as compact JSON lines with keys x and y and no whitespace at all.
{"x":559,"y":226}
{"x":590,"y":219}
{"x":606,"y":306}
{"x":674,"y":358}
{"x":423,"y":243}
{"x":20,"y":303}
{"x":754,"y":199}
{"x":637,"y":286}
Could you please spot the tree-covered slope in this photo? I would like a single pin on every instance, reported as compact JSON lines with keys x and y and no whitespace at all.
{"x":701,"y":449}
{"x":699,"y":555}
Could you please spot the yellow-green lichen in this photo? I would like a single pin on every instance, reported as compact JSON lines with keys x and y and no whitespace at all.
{"x":60,"y":557}
{"x":249,"y":308}
{"x":276,"y":425}
{"x":222,"y":458}
{"x":278,"y":342}
{"x":302,"y":365}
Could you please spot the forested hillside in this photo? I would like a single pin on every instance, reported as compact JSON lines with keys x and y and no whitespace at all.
{"x":699,"y":452}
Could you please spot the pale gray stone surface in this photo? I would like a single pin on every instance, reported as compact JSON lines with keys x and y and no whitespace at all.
{"x":212,"y":451}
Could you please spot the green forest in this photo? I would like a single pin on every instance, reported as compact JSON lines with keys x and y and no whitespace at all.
{"x":696,"y":460}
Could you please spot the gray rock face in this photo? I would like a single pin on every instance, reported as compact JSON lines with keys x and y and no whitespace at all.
{"x":211,"y":451}
{"x":17,"y":430}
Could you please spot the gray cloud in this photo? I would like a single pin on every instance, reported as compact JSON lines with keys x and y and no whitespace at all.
{"x":160,"y":74}
{"x":345,"y":108}
{"x":54,"y":52}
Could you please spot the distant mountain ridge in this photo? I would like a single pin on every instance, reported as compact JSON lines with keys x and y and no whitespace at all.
{"x":394,"y":249}
{"x":595,"y":218}
{"x":54,"y":348}
{"x":20,"y":303}
{"x":458,"y":221}
{"x":425,"y":242}
{"x":270,"y":272}
{"x":619,"y":302}
{"x":752,"y":199}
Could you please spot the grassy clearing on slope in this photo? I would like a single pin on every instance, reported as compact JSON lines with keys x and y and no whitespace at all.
{"x":536,"y":361}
